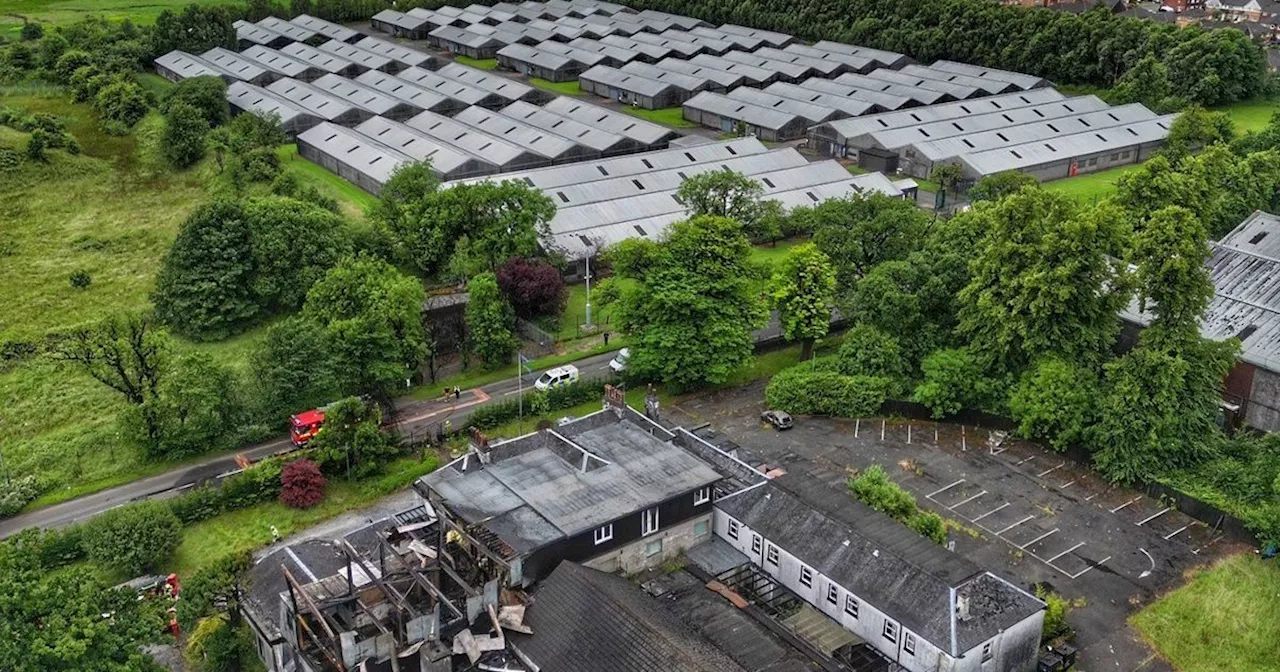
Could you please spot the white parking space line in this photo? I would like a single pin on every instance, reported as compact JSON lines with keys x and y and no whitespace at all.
{"x":990,"y":512}
{"x":1050,"y":470}
{"x":942,"y":490}
{"x":1175,"y":532}
{"x":1026,"y":459}
{"x":882,"y":430}
{"x":1066,"y":485}
{"x":1039,"y":538}
{"x":966,"y":500}
{"x":908,"y":433}
{"x":856,"y":424}
{"x":1078,"y":545}
{"x":1016,"y":524}
{"x":1125,"y":504}
{"x":1090,"y":497}
{"x":1081,"y":572}
{"x":1154,"y":516}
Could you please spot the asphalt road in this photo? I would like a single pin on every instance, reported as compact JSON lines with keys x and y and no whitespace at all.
{"x":410,"y":419}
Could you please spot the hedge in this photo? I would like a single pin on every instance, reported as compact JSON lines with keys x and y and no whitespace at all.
{"x":809,"y":392}
{"x":536,"y":403}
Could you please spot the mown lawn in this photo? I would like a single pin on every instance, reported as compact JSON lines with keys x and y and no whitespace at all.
{"x":667,"y":116}
{"x":62,"y":12}
{"x":1226,"y":618}
{"x":479,"y":63}
{"x":558,"y":88}
{"x":1251,"y":115}
{"x":1091,"y":187}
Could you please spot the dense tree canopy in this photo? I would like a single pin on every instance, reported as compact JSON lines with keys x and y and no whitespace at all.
{"x":490,"y":322}
{"x":803,"y":291}
{"x":208,"y":94}
{"x":859,"y":232}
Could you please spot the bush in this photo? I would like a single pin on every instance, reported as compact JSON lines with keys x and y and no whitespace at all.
{"x":533,"y":287}
{"x":133,"y":538}
{"x":301,"y":484}
{"x":953,"y":380}
{"x":81,"y":279}
{"x":212,"y":583}
{"x":37,"y":145}
{"x":69,"y":63}
{"x":873,"y":488}
{"x":31,"y":31}
{"x":10,"y":160}
{"x":868,"y":351}
{"x":184,"y":132}
{"x":929,"y":525}
{"x":17,"y":493}
{"x":120,"y":105}
{"x":812,"y":391}
{"x":206,"y":94}
{"x":1055,"y":614}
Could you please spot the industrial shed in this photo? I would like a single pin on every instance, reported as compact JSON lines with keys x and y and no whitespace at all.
{"x":673,"y":47}
{"x":631,"y":89}
{"x":605,"y":142}
{"x":619,"y":26}
{"x":290,"y":30}
{"x":465,"y":42}
{"x":1021,"y":80}
{"x":718,"y":81}
{"x":507,"y":156}
{"x":914,"y":94}
{"x":615,"y":56}
{"x":886,"y":59}
{"x":463,"y":93}
{"x":950,"y":90}
{"x":293,"y":119}
{"x":322,"y":60}
{"x":555,"y":148}
{"x":685,"y":82}
{"x":418,"y":97}
{"x":328,"y":29}
{"x":403,"y":56}
{"x":752,"y":75}
{"x":367,"y":60}
{"x":535,"y":62}
{"x":248,"y":34}
{"x":176,"y":66}
{"x":581,"y":56}
{"x":743,"y":42}
{"x":885,"y":101}
{"x":391,"y":22}
{"x":645,"y":133}
{"x":987,"y":86}
{"x":645,"y":51}
{"x":559,"y":32}
{"x":437,"y":18}
{"x":778,"y":40}
{"x":319,"y":103}
{"x":849,"y":106}
{"x":788,"y":71}
{"x":711,"y":45}
{"x":490,"y":12}
{"x":844,"y":137}
{"x":282,"y":64}
{"x":812,"y":113}
{"x":728,"y":115}
{"x":852,"y":62}
{"x":366,"y":97}
{"x":592,"y":31}
{"x":509,"y":89}
{"x":821,"y":67}
{"x":447,"y":161}
{"x":683,"y":22}
{"x":353,"y":156}
{"x":1071,"y":155}
{"x":239,"y":67}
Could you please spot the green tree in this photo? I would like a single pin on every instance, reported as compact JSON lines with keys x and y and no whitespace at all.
{"x":1154,"y":185}
{"x":1147,"y":82}
{"x":292,"y":369}
{"x":350,"y":441}
{"x":198,"y":408}
{"x":803,"y":290}
{"x":948,"y":176}
{"x":1055,"y":401}
{"x":294,"y":244}
{"x":371,"y":315}
{"x":873,"y":488}
{"x":691,"y":310}
{"x":208,"y":94}
{"x":121,"y":103}
{"x":1197,"y":128}
{"x":204,"y":287}
{"x":184,"y":133}
{"x":402,"y":196}
{"x":31,"y":31}
{"x":997,"y":186}
{"x":490,"y":322}
{"x":133,"y":538}
{"x":868,"y":351}
{"x":1171,"y":279}
{"x":1046,"y":280}
{"x":725,"y":193}
{"x":69,"y":62}
{"x":859,"y":232}
{"x":953,"y":380}
{"x":38,"y":145}
{"x":197,"y":29}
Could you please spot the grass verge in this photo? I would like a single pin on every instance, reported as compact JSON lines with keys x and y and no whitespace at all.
{"x":355,"y":202}
{"x":1253,"y":114}
{"x":558,"y":88}
{"x":1224,"y":619}
{"x":667,"y":116}
{"x":478,"y":63}
{"x":1091,"y":187}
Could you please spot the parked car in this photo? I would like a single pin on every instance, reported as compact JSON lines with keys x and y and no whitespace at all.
{"x":557,"y":377}
{"x":779,"y":419}
{"x":619,"y":362}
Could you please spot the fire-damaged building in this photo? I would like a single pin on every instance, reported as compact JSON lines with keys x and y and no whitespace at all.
{"x":508,"y":562}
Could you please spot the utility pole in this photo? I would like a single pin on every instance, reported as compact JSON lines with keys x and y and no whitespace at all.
{"x":589,"y":252}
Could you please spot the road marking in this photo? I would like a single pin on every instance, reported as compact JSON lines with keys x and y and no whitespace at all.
{"x":1032,"y":517}
{"x":908,"y":433}
{"x":990,"y":512}
{"x":856,"y":424}
{"x":1050,"y":470}
{"x":1090,"y":497}
{"x":1068,"y":484}
{"x":1039,"y":538}
{"x":882,"y":430}
{"x":942,"y":490}
{"x":935,"y":435}
{"x":1078,"y":545}
{"x":1175,"y":532}
{"x":1154,"y":516}
{"x":1081,"y":572}
{"x":1126,"y":504}
{"x":966,"y":501}
{"x":1028,"y":459}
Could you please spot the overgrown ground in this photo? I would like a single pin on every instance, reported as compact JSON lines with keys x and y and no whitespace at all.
{"x":558,"y":88}
{"x":1226,"y":618}
{"x":70,"y":11}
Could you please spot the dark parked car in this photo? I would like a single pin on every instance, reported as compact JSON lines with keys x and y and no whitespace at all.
{"x":779,"y":419}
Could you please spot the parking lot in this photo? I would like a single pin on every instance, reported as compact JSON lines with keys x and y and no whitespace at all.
{"x":1015,"y":508}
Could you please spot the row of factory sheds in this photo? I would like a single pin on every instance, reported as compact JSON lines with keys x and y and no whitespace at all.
{"x":635,"y":196}
{"x":475,"y":141}
{"x":1039,"y":132}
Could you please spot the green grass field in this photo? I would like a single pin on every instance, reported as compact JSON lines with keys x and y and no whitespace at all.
{"x":558,"y":88}
{"x":1091,"y":187}
{"x":63,"y":12}
{"x":480,"y":63}
{"x":1252,"y":115}
{"x":355,"y":201}
{"x":667,"y":116}
{"x":1224,"y":619}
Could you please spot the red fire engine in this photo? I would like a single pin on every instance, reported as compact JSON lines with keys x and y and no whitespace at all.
{"x":303,"y":426}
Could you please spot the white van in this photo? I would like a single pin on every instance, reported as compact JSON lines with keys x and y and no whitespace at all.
{"x":557,"y":377}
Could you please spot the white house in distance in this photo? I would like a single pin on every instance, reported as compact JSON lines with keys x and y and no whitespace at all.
{"x":920,"y":605}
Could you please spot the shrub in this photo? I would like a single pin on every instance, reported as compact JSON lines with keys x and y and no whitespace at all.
{"x":868,"y":351}
{"x":69,"y":63}
{"x":17,"y":493}
{"x":10,"y":160}
{"x":929,"y":525}
{"x":133,"y":538}
{"x":301,"y":484}
{"x":953,"y":380}
{"x":37,"y":145}
{"x":873,"y":488}
{"x":533,"y":287}
{"x":81,"y":279}
{"x":31,"y":31}
{"x":120,"y":105}
{"x":184,"y":132}
{"x":1055,"y":614}
{"x":813,"y":391}
{"x":213,"y":582}
{"x":206,"y":94}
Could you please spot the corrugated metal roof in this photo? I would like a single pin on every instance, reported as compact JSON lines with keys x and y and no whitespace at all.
{"x":897,"y":138}
{"x":824,"y":67}
{"x":256,"y":34}
{"x":189,"y":65}
{"x":531,"y":138}
{"x":631,"y":43}
{"x":467,"y":139}
{"x":848,"y":105}
{"x":752,"y":75}
{"x":497,"y":84}
{"x":792,"y":70}
{"x":1022,"y":80}
{"x":953,"y":89}
{"x":770,"y":37}
{"x":678,"y":79}
{"x":357,"y":150}
{"x":644,"y":132}
{"x":324,"y":60}
{"x":1042,"y":129}
{"x":624,"y":25}
{"x":448,"y":10}
{"x":854,"y":61}
{"x":849,"y":128}
{"x":490,"y":11}
{"x":407,"y":21}
{"x":556,"y":28}
{"x":446,"y":86}
{"x":582,"y":57}
{"x":236,"y":65}
{"x":396,"y":52}
{"x":465,"y":37}
{"x":316,"y":101}
{"x":626,"y":81}
{"x":677,"y":46}
{"x":619,"y":54}
{"x":446,"y":159}
{"x":885,"y":87}
{"x":431,"y":18}
{"x":744,"y":42}
{"x":1030,"y":155}
{"x":535,"y":56}
{"x":888,"y":59}
{"x":738,"y":110}
{"x":812,"y":113}
{"x":721,"y":78}
{"x":252,"y":98}
{"x":570,"y":129}
{"x":292,"y":31}
{"x":685,"y":22}
{"x":987,"y":86}
{"x":420,"y":97}
{"x":885,"y":98}
{"x":326,"y":28}
{"x":276,"y":61}
{"x":358,"y":94}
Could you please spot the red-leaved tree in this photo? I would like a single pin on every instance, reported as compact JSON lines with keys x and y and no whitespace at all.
{"x":301,"y":484}
{"x":533,"y":287}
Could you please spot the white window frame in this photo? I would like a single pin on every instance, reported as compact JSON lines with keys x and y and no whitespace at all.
{"x":833,"y":594}
{"x":890,"y":631}
{"x":756,"y":541}
{"x":701,"y":496}
{"x":771,"y":555}
{"x":733,"y":529}
{"x":987,"y":652}
{"x":806,"y":576}
{"x":604,"y":533}
{"x":649,"y":522}
{"x":851,"y":606}
{"x":909,"y":643}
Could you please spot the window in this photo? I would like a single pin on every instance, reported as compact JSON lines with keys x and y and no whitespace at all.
{"x":806,"y":576}
{"x":733,"y":529}
{"x":702,"y":496}
{"x":649,"y":522}
{"x":755,"y":544}
{"x":701,"y":528}
{"x":653,"y":548}
{"x":771,"y":556}
{"x":604,"y":533}
{"x":833,"y":594}
{"x":890,"y":631}
{"x":986,"y":652}
{"x":909,"y":643}
{"x":851,"y":605}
